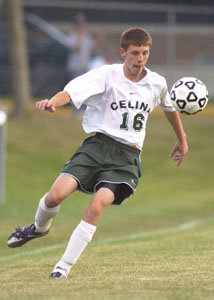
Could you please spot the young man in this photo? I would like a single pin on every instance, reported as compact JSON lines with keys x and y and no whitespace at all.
{"x":119,"y":99}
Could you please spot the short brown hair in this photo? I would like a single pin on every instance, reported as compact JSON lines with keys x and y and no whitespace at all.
{"x":136,"y":36}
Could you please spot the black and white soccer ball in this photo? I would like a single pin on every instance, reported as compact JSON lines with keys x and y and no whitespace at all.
{"x":189,"y":95}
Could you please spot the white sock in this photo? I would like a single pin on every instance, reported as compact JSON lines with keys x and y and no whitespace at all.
{"x":79,"y":239}
{"x":44,"y":215}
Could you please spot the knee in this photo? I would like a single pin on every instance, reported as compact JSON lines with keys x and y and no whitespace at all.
{"x":53,"y":198}
{"x":93,"y":211}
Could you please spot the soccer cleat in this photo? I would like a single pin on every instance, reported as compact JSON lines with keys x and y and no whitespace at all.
{"x":23,"y":235}
{"x":58,"y":273}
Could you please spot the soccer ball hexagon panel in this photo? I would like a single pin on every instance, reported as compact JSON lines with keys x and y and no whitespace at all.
{"x":189,"y":95}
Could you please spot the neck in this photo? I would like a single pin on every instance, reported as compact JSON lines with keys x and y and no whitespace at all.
{"x":132,"y":76}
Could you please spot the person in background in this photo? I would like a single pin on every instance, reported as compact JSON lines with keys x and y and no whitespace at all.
{"x":81,"y":47}
{"x":105,"y":56}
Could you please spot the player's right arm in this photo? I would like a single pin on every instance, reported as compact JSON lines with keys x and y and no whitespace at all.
{"x":59,"y":99}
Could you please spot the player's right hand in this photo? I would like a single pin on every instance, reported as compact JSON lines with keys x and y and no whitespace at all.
{"x":45,"y":105}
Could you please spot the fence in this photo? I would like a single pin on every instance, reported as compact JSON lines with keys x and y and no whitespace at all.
{"x":183,"y":35}
{"x":183,"y":38}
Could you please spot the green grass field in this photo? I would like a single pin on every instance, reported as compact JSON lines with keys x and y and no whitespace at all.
{"x":157,"y":245}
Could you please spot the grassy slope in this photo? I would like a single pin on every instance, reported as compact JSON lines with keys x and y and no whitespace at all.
{"x":174,"y":266}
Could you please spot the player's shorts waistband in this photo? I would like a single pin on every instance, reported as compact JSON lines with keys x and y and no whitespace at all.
{"x":110,"y":140}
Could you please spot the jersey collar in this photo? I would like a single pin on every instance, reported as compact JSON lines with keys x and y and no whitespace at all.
{"x":143,"y":81}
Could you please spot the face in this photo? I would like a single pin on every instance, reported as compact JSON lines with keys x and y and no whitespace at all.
{"x":135,"y":58}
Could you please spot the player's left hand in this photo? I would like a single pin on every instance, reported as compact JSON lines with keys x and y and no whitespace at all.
{"x":179,"y":151}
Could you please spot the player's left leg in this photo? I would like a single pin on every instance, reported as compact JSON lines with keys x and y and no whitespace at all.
{"x":83,"y":233}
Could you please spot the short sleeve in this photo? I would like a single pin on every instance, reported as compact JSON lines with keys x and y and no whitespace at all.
{"x":87,"y":85}
{"x":165,"y":101}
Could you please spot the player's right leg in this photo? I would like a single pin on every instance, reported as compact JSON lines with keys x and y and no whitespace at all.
{"x":83,"y":233}
{"x":48,"y":208}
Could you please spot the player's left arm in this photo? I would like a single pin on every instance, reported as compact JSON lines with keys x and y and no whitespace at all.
{"x":181,"y":147}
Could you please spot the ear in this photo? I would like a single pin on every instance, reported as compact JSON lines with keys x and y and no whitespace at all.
{"x":122,"y":52}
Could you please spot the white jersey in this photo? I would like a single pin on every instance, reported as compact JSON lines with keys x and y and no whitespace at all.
{"x":117,"y":106}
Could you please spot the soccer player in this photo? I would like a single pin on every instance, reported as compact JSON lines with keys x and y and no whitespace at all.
{"x":119,"y":99}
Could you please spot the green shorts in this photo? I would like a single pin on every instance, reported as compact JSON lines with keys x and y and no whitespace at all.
{"x":101,"y":159}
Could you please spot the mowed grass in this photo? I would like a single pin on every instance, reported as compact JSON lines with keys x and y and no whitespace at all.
{"x":139,"y":251}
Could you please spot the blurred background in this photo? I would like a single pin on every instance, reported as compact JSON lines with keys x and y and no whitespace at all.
{"x":44,"y":44}
{"x":182,"y":32}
